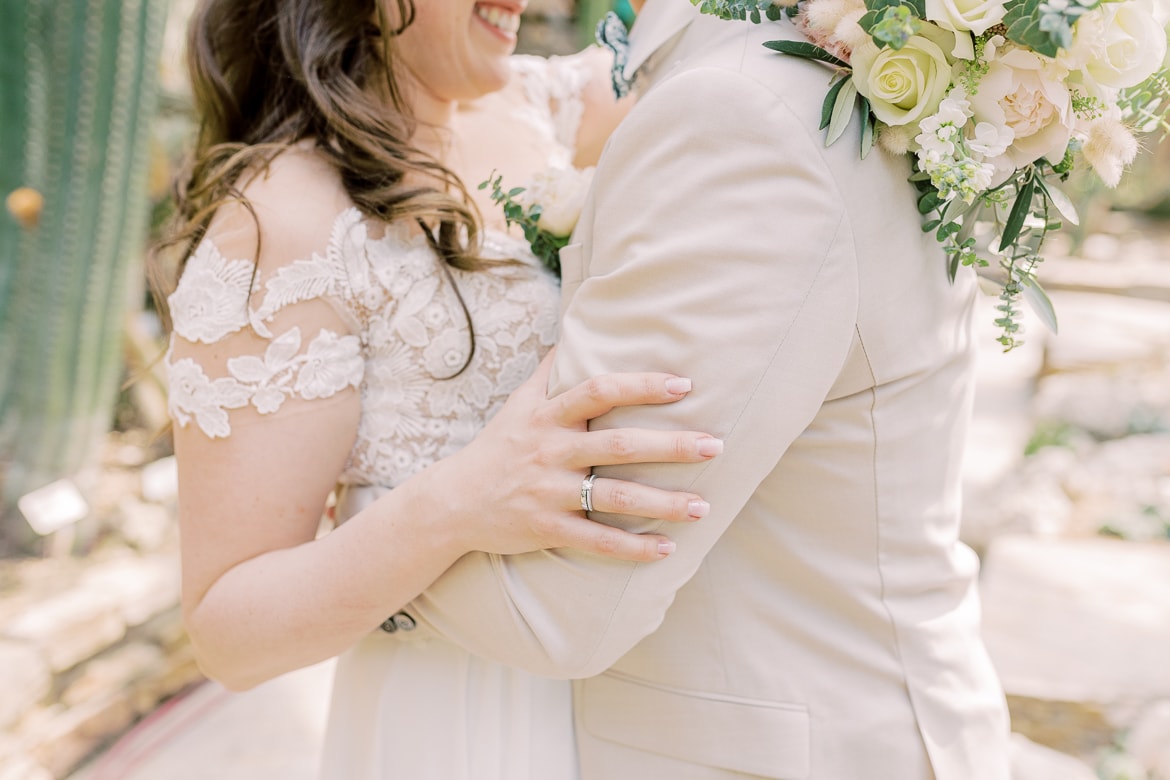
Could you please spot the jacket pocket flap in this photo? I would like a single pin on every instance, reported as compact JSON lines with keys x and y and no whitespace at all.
{"x":764,"y":738}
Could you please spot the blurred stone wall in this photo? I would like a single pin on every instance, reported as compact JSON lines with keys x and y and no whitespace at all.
{"x":550,"y":27}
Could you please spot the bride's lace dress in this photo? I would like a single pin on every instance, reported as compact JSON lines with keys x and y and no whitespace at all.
{"x":373,"y":309}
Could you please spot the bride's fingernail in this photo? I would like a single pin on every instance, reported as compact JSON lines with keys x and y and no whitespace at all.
{"x":710,"y":447}
{"x":678,"y":385}
{"x":666,"y":548}
{"x":698,"y":509}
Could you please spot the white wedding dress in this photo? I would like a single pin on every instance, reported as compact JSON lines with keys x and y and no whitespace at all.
{"x":403,"y":706}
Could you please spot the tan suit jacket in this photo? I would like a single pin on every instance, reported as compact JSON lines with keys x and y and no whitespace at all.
{"x":822,"y":622}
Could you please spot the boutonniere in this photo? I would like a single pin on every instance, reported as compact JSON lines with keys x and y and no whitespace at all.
{"x":995,"y":103}
{"x":547,"y":209}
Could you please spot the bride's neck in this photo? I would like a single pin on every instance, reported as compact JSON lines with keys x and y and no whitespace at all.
{"x":433,"y":114}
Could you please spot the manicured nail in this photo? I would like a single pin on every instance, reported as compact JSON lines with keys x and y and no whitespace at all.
{"x":709,"y":448}
{"x":698,"y":508}
{"x":678,"y":385}
{"x":666,"y":548}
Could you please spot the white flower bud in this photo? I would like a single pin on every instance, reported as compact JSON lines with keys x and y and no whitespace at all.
{"x":560,"y":192}
{"x":896,"y":139}
{"x":1109,"y":147}
{"x":849,"y":32}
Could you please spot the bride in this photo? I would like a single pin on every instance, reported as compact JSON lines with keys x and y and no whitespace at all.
{"x":343,"y":318}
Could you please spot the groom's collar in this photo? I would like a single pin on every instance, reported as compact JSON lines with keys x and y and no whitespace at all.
{"x":658,"y":22}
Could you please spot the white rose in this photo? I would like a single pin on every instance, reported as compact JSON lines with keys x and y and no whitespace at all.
{"x":1117,"y":45}
{"x":975,"y":16}
{"x":1019,"y":93}
{"x":907,"y":84}
{"x":560,"y":192}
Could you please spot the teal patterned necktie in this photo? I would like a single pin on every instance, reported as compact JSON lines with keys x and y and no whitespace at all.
{"x":613,"y":35}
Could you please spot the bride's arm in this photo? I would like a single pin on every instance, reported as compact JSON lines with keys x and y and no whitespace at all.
{"x":262,"y":594}
{"x":601,"y":111}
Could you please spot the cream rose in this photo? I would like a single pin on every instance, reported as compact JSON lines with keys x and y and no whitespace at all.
{"x":907,"y":84}
{"x":1020,"y":93}
{"x":974,"y":16}
{"x":561,"y":194}
{"x":1117,"y":45}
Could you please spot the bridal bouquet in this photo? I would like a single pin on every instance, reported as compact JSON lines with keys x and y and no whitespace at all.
{"x":995,"y":102}
{"x":546,"y":209}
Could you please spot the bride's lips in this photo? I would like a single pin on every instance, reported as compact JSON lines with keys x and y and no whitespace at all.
{"x":500,"y":18}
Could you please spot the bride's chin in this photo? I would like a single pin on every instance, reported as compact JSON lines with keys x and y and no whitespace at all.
{"x":493,"y":79}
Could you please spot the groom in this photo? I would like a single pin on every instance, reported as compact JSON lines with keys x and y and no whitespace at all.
{"x":822,"y":621}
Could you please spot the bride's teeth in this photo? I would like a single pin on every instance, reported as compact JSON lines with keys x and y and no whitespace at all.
{"x":499,"y":18}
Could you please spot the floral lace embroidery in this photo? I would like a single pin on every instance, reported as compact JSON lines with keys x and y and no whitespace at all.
{"x":559,"y":80}
{"x":212,"y":300}
{"x":331,"y":364}
{"x":410,"y":339}
{"x":416,"y":405}
{"x":413,"y":340}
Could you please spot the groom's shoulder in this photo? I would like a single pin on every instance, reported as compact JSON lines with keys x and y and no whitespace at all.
{"x":733,"y":53}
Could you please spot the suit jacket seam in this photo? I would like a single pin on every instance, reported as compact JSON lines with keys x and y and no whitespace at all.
{"x":892,"y":622}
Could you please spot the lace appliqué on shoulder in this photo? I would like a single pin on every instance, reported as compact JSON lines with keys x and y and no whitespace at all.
{"x":554,"y":87}
{"x":424,"y":393}
{"x":211,"y":302}
{"x":331,"y":364}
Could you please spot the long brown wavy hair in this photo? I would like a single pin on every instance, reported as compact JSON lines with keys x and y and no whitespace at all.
{"x":267,"y":74}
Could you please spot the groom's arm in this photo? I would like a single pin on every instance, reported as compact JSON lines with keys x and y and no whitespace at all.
{"x":720,"y":251}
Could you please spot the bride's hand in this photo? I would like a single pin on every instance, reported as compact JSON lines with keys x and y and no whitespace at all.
{"x":518,"y":484}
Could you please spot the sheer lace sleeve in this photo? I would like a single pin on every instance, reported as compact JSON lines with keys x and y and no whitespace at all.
{"x":253,"y":339}
{"x":574,"y":97}
{"x":556,"y":86}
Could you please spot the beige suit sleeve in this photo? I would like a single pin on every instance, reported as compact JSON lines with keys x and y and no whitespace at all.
{"x":719,"y":249}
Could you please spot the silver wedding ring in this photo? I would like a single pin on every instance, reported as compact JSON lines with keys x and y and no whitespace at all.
{"x":587,"y":492}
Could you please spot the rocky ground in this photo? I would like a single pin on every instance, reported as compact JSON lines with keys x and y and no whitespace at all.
{"x":1068,"y":502}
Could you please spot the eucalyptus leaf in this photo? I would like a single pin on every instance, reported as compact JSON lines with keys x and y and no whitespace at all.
{"x":842,"y":111}
{"x":831,"y":99}
{"x":929,"y":202}
{"x":948,"y":229}
{"x":1040,"y":303}
{"x":918,"y":7}
{"x":1062,"y":202}
{"x":1020,"y":211}
{"x":1023,"y":20}
{"x":868,"y":126}
{"x":806,"y":50}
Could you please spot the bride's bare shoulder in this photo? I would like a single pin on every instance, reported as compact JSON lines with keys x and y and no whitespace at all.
{"x":289,"y":207}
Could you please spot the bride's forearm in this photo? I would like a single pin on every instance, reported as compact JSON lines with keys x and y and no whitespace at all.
{"x":290,"y":608}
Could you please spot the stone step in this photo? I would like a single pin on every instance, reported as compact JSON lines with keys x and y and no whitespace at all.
{"x":1079,"y":630}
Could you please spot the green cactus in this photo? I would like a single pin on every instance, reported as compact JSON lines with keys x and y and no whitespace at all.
{"x":78,"y":86}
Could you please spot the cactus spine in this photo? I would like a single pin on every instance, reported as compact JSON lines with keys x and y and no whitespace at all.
{"x":78,"y":85}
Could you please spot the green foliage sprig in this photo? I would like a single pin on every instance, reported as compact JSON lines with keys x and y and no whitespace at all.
{"x":1147,"y":105}
{"x":892,"y":22}
{"x":1044,"y":26}
{"x":545,"y":245}
{"x":741,"y":10}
